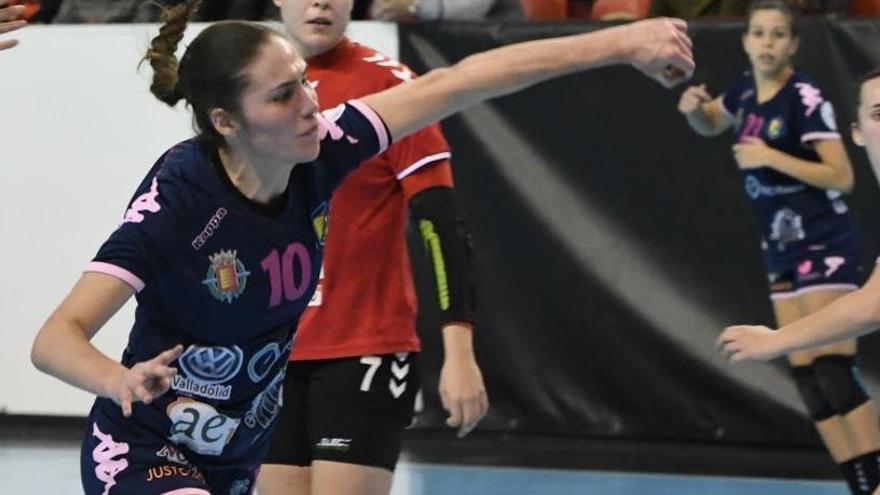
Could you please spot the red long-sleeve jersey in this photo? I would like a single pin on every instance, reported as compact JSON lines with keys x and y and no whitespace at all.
{"x":365,"y":302}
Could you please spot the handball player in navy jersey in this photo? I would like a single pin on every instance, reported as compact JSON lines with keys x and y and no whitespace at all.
{"x":795,"y":170}
{"x":222,"y":242}
{"x":854,"y":314}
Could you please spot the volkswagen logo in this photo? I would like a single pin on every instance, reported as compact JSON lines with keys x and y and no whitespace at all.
{"x":211,"y":364}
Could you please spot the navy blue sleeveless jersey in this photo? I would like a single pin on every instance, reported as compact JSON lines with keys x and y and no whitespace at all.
{"x":229,"y":284}
{"x":793,"y":216}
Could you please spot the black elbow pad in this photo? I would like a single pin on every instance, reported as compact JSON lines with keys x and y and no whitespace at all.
{"x":438,"y":221}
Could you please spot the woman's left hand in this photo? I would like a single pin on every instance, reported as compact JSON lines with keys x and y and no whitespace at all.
{"x":463,"y":393}
{"x":752,"y":152}
{"x":748,"y":342}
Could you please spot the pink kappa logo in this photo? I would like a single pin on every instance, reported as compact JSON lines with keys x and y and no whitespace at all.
{"x":104,"y":454}
{"x":327,"y":125}
{"x":144,"y":202}
{"x":811,"y":97}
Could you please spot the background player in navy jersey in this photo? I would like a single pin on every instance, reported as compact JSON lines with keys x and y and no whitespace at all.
{"x":794,"y":168}
{"x":222,"y":242}
{"x":854,"y":314}
{"x":354,"y":372}
{"x":9,"y":21}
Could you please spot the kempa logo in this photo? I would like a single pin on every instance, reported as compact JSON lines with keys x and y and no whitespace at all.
{"x":334,"y":443}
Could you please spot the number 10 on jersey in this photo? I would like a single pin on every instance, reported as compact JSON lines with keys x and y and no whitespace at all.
{"x":282,"y":268}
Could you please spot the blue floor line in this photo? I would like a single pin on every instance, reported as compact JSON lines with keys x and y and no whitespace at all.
{"x":28,"y":470}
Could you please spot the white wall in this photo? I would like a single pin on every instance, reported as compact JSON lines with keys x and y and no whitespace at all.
{"x":78,"y":130}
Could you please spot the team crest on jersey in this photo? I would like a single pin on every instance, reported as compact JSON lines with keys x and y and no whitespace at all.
{"x":227,"y":277}
{"x":321,"y":222}
{"x":776,"y":128}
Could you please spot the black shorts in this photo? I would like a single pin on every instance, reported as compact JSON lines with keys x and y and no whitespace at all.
{"x":350,"y":410}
